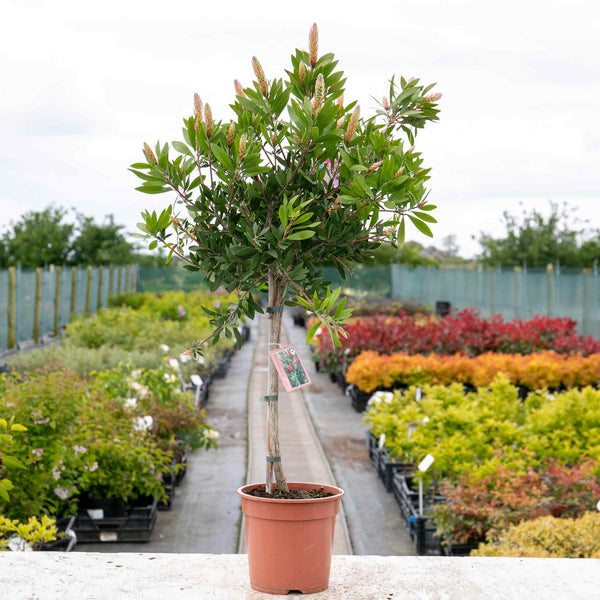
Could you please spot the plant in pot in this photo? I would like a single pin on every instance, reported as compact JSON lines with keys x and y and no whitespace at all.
{"x":295,"y":181}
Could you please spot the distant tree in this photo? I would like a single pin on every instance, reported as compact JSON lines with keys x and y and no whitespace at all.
{"x":450,"y":246}
{"x":536,"y":241}
{"x":38,"y":238}
{"x":100,"y":244}
{"x":409,"y":254}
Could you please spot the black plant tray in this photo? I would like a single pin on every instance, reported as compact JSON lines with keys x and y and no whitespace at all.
{"x":373,"y":448}
{"x":114,"y":520}
{"x":66,"y":542}
{"x":359,"y":398}
{"x":451,"y":549}
{"x":387,"y":465}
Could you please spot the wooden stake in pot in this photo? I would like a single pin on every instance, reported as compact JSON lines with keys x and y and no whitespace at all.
{"x":275,"y":310}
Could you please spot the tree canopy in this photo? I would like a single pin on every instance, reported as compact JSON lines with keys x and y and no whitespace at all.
{"x":536,"y":240}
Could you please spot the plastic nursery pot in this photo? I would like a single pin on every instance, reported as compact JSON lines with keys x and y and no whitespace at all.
{"x":290,"y":541}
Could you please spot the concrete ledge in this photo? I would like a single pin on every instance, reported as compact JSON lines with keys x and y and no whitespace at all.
{"x":94,"y":576}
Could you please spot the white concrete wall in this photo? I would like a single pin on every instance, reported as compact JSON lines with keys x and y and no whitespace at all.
{"x":93,"y":576}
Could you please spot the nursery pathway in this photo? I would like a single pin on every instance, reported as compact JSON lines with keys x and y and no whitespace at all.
{"x":372,"y":514}
{"x":205,"y":517}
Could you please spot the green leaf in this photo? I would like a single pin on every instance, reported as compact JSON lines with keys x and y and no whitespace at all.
{"x":283,"y":215}
{"x":422,"y":227}
{"x":401,"y":232}
{"x":301,"y":235}
{"x":182,"y":148}
{"x":12,"y":462}
{"x":311,"y":332}
{"x":425,"y":217}
{"x":18,"y":427}
{"x":222,"y":156}
{"x":4,"y":494}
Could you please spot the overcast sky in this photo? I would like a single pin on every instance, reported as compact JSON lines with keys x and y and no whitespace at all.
{"x":83,"y":85}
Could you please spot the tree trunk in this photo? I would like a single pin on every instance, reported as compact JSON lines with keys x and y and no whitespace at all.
{"x":276,"y":298}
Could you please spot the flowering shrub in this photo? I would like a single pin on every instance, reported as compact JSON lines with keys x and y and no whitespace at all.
{"x":548,"y":537}
{"x":487,"y":501}
{"x":371,"y":370}
{"x":465,"y":333}
{"x":93,"y":436}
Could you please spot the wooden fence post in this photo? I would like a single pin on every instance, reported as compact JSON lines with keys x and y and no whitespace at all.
{"x":88,"y":290}
{"x":57,"y":294}
{"x":111,"y":279}
{"x":37,"y":306}
{"x":119,"y":279}
{"x":100,"y":283}
{"x":134,"y":279}
{"x":73,"y":310}
{"x":127,"y":278}
{"x":12,"y":307}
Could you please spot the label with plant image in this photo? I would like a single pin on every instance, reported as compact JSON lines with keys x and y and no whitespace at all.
{"x":290,"y":368}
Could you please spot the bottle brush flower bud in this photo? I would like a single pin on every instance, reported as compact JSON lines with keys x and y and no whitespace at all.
{"x":231,"y":134}
{"x":208,"y":120}
{"x":313,"y":44}
{"x":319,"y":94}
{"x":242,"y":148}
{"x":352,"y":124}
{"x":149,"y":155}
{"x":197,"y":107}
{"x":385,"y":103}
{"x":260,"y":75}
{"x":239,"y":90}
{"x":302,"y":72}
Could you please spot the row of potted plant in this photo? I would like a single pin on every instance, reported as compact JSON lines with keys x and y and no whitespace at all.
{"x":140,"y":330}
{"x":107,"y":445}
{"x":465,"y":333}
{"x":372,"y":370}
{"x":496,"y":460}
{"x":111,"y":435}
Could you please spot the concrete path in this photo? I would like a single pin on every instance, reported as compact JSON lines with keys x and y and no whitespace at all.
{"x":372,"y":514}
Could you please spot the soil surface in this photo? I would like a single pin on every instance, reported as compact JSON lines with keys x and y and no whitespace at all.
{"x":261,"y":492}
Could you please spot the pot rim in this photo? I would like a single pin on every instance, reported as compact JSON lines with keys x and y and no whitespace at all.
{"x":340,"y":492}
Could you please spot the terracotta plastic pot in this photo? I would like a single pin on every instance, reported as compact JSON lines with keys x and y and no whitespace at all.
{"x":290,"y":541}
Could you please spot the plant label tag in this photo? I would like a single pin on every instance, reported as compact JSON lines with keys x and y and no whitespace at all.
{"x":95,"y":513}
{"x":381,"y":441}
{"x":108,"y":536}
{"x":196,"y":380}
{"x":164,"y":347}
{"x":426,"y":463}
{"x":598,"y":506}
{"x":173,"y":362}
{"x":290,"y":368}
{"x":418,"y":395}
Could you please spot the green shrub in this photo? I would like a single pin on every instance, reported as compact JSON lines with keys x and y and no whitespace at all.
{"x":548,"y":537}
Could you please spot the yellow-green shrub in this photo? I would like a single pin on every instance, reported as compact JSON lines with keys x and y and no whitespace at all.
{"x":548,"y":537}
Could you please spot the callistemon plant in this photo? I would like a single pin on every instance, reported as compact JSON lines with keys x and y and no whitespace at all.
{"x":296,"y":180}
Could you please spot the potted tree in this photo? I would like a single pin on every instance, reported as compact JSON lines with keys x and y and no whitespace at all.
{"x":295,"y":181}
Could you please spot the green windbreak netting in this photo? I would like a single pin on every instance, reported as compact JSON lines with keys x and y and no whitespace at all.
{"x":512,"y":293}
{"x":164,"y":279}
{"x":3,"y":309}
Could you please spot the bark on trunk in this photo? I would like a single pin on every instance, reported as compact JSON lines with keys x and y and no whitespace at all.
{"x":276,"y":298}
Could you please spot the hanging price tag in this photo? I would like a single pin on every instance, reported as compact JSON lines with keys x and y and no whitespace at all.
{"x":418,"y":395}
{"x":381,"y":441}
{"x":290,"y":368}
